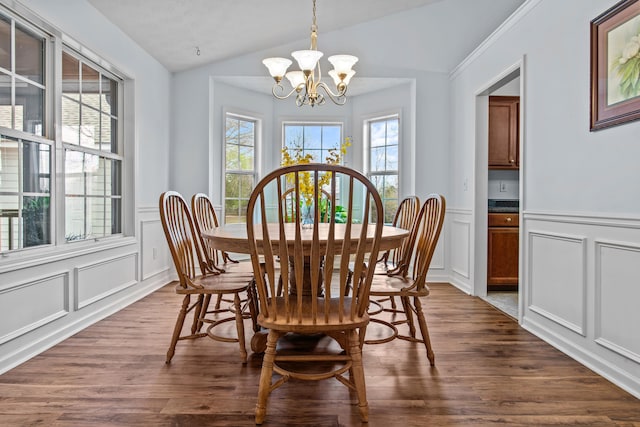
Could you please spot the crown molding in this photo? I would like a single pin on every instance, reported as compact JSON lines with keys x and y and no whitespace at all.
{"x":512,"y":20}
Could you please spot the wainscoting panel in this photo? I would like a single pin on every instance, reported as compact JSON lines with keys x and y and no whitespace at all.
{"x":47,"y":299}
{"x":581,"y":289}
{"x":155,"y":252}
{"x":557,"y":281}
{"x":96,"y":281}
{"x":618,"y":297}
{"x":461,"y":238}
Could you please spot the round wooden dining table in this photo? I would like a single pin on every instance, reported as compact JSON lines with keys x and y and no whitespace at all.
{"x":233,"y":238}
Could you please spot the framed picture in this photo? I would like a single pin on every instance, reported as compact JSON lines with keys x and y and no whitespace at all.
{"x":615,"y":65}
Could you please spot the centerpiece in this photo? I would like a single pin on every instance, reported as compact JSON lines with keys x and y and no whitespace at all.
{"x":295,"y":156}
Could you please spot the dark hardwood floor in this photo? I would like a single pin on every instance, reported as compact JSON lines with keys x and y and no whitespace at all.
{"x":488,"y":372}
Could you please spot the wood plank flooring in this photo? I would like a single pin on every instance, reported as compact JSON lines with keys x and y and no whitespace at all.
{"x":488,"y":372}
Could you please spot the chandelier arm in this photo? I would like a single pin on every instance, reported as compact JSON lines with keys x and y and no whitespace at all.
{"x":279,"y":88}
{"x":338,"y":98}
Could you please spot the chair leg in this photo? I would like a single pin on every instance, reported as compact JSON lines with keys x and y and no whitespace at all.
{"x":424,"y":331}
{"x":393,"y":303}
{"x":252,"y":296}
{"x":264,"y":388}
{"x":408,"y":312}
{"x":201,"y":313}
{"x":240,"y":327}
{"x":218,"y":301}
{"x":177,"y":329}
{"x":196,"y":314}
{"x":357,"y":373}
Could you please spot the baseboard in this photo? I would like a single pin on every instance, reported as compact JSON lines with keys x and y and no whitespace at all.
{"x":69,"y":328}
{"x":592,"y":361}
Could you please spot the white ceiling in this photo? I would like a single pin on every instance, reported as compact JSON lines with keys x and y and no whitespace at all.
{"x":172,"y":30}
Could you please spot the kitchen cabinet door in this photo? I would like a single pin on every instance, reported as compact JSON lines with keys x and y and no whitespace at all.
{"x":504,"y":114}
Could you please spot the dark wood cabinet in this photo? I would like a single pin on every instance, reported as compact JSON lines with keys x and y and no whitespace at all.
{"x":504,"y":112}
{"x":502,"y":256}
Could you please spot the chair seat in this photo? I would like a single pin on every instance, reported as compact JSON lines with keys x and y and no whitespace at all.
{"x":242,"y":267}
{"x":383,"y":285}
{"x":215,"y":284}
{"x":307,"y":324}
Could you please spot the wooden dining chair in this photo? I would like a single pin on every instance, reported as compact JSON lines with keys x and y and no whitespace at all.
{"x":409,"y":290}
{"x":288,"y":201}
{"x":396,"y":261}
{"x":195,"y":278}
{"x":205,"y":218}
{"x":317,"y":305}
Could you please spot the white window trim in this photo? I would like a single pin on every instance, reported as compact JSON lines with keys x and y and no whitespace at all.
{"x":257,"y":159}
{"x":299,"y":122}
{"x":59,"y":249}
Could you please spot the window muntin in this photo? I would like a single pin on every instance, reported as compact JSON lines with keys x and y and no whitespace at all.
{"x":240,"y":169}
{"x":313,"y":138}
{"x":25,"y":157}
{"x":383,"y":162}
{"x":92,"y":158}
{"x":90,"y":147}
{"x":22,"y":77}
{"x":25,"y":198}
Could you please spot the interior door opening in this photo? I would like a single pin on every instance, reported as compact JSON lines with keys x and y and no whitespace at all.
{"x":498,"y":193}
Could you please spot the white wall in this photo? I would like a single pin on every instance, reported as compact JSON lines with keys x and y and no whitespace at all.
{"x":47,"y":297}
{"x":580,"y":228}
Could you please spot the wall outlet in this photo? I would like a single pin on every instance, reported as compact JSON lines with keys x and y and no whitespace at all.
{"x":503,"y":186}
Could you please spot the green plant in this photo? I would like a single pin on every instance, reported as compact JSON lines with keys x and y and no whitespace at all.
{"x":297,"y":157}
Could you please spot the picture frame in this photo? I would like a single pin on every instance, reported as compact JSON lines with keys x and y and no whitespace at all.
{"x":615,"y":65}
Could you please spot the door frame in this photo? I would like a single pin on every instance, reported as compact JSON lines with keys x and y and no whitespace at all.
{"x":481,"y":178}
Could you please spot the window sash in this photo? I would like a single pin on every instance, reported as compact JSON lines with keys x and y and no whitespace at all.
{"x":240,"y":174}
{"x":384,"y":149}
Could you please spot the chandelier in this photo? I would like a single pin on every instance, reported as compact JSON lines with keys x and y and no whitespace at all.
{"x":305,"y":83}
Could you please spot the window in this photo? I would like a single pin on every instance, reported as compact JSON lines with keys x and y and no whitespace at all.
{"x":383,"y":161}
{"x":87,"y":157}
{"x":240,"y":166}
{"x":92,"y":159}
{"x":25,"y":157}
{"x":314,"y":139}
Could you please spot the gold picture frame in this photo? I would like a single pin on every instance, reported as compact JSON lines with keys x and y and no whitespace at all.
{"x":615,"y":65}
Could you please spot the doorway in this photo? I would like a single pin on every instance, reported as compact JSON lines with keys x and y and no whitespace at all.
{"x":498,"y":197}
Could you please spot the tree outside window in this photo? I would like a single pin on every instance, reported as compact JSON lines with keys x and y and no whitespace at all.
{"x":240,"y":157}
{"x":383,"y":162}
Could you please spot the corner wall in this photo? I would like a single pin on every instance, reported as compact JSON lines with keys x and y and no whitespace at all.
{"x":48,"y":297}
{"x":580,"y":228}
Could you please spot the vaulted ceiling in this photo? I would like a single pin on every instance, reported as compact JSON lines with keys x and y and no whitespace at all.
{"x":183,"y":34}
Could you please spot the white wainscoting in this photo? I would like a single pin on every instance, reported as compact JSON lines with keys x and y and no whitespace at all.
{"x":99,"y":280}
{"x":618,"y":297}
{"x":154,"y":250}
{"x":557,"y":284}
{"x":45,"y":299}
{"x":582,"y":289}
{"x":459,"y":227}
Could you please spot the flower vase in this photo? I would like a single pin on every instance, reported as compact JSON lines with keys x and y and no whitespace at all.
{"x":306,"y":213}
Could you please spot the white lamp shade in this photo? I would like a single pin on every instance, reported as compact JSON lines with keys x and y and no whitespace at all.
{"x":343,"y":63}
{"x":336,"y":77}
{"x":307,"y":59}
{"x":295,"y":78}
{"x":277,"y":66}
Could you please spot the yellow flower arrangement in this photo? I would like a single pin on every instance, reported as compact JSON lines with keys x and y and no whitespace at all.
{"x":298,"y":158}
